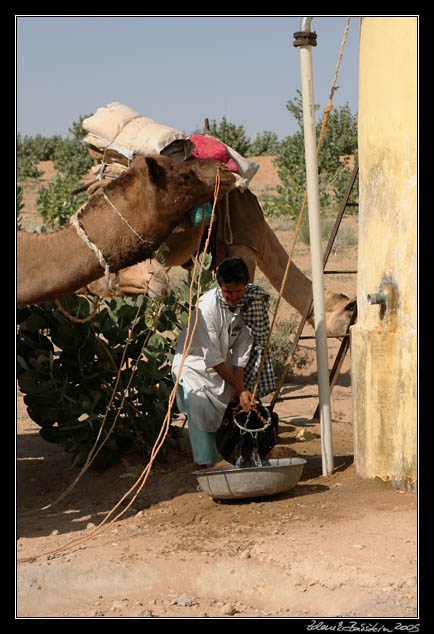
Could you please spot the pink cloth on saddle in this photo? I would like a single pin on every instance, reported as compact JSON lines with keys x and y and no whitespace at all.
{"x":208,"y":147}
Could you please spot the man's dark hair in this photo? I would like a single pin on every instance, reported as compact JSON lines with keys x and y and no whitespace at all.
{"x":232,"y":271}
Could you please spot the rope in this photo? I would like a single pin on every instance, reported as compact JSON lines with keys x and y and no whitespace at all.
{"x":122,"y":218}
{"x":74,"y":220}
{"x":90,"y":458}
{"x":266,"y":422}
{"x":78,"y":320}
{"x":324,"y":128}
{"x":93,"y":451}
{"x":88,"y":242}
{"x":267,"y":344}
{"x":329,"y":107}
{"x":141,"y":480}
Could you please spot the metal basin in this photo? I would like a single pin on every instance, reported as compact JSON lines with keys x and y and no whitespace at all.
{"x":274,"y":476}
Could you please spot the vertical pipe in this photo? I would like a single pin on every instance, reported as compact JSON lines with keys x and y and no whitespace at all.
{"x":316,"y":248}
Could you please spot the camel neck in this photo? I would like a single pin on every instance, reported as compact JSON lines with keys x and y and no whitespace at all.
{"x":53,"y":264}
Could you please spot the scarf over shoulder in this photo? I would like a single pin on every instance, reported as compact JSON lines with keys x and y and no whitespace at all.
{"x":254,"y":310}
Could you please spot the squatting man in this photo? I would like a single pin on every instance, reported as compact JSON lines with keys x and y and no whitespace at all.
{"x":224,"y":357}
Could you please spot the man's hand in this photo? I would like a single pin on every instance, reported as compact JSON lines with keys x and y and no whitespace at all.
{"x":246,"y":399}
{"x":236,"y":380}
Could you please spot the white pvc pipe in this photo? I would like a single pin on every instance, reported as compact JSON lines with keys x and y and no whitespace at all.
{"x":310,"y":144}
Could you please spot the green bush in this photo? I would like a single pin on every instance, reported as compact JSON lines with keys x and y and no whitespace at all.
{"x":26,"y":161}
{"x":55,"y":204}
{"x":71,"y":157}
{"x":67,"y":371}
{"x":68,"y":155}
{"x":31,"y":150}
{"x":41,"y":148}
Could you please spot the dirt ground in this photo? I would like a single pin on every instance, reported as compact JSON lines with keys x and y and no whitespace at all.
{"x":334,"y":546}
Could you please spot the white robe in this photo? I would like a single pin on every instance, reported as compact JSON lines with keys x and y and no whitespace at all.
{"x":221,"y":336}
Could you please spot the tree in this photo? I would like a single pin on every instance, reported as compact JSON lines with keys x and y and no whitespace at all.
{"x":232,"y":135}
{"x":339,"y":141}
{"x":265,"y":144}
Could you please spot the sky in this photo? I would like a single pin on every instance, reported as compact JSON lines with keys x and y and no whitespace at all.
{"x":177,"y":70}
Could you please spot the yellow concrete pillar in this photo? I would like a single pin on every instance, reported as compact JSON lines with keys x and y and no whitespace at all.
{"x":384,"y":340}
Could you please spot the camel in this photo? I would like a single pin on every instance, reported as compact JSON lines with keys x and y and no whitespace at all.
{"x":148,"y":277}
{"x":339,"y":311}
{"x":118,"y":226}
{"x":243,"y":231}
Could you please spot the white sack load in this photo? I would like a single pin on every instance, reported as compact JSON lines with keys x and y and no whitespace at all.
{"x":120,"y":129}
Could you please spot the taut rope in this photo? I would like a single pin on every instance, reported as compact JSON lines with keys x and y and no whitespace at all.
{"x":78,"y":320}
{"x":324,"y":129}
{"x":122,"y":218}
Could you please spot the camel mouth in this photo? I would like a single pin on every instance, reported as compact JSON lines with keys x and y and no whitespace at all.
{"x":157,"y":287}
{"x":162,"y":294}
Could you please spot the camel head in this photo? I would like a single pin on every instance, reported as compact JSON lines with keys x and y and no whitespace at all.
{"x":150,"y":198}
{"x":122,"y":224}
{"x":183,"y":185}
{"x":153,"y":280}
{"x":149,"y":277}
{"x":339,"y":309}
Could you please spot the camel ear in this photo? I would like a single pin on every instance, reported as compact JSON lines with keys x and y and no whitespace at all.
{"x":156,"y":173}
